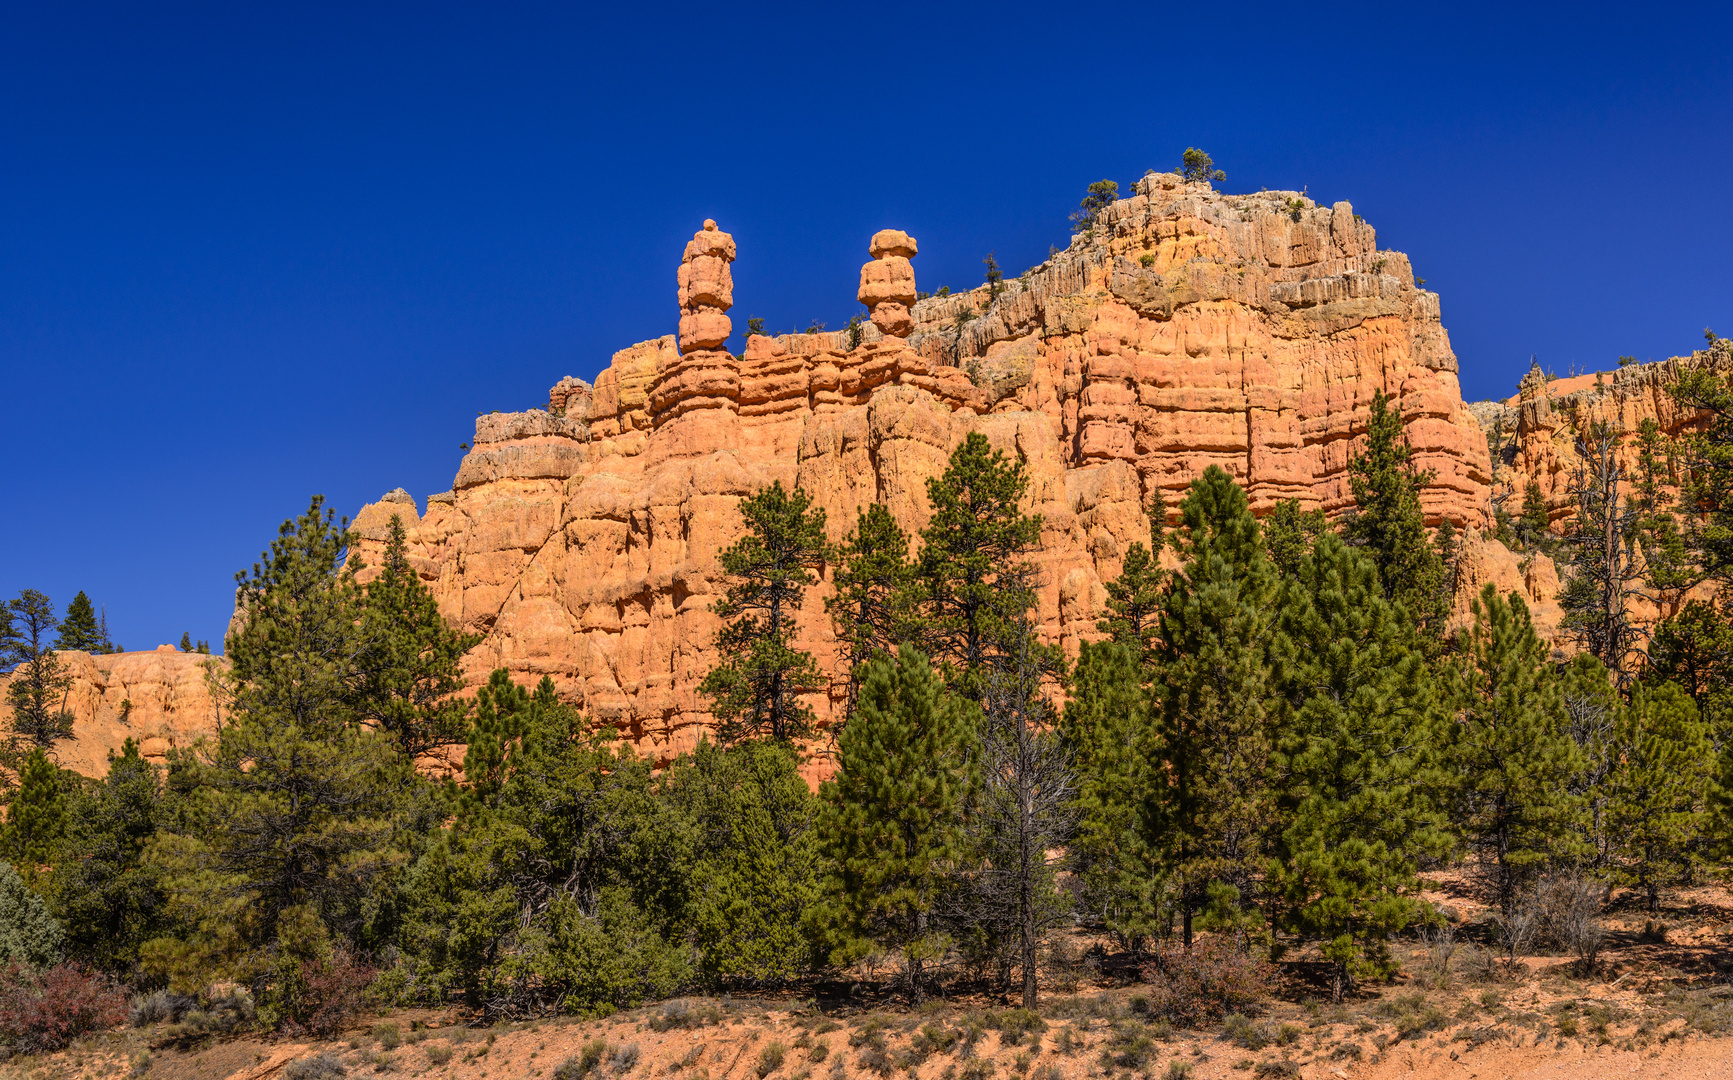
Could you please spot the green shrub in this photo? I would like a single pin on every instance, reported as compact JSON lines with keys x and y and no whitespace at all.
{"x":318,"y":1067}
{"x":28,"y":933}
{"x":437,"y":1053}
{"x":770,"y":1059}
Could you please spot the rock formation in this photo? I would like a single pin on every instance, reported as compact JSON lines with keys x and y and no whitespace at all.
{"x":159,"y":699}
{"x":1188,"y":328}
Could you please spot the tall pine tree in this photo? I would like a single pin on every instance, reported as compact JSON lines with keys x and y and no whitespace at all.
{"x":1214,"y":804}
{"x":1111,"y":735}
{"x":1361,"y":721}
{"x":37,"y":693}
{"x":284,"y":839}
{"x":36,"y":818}
{"x":891,"y":828}
{"x":79,"y":631}
{"x":1134,"y":601}
{"x":872,"y":608}
{"x":757,"y":685}
{"x":976,"y":579}
{"x":406,"y":672}
{"x":109,"y":900}
{"x":1657,"y":788}
{"x":1513,"y":759}
{"x":1388,"y":521}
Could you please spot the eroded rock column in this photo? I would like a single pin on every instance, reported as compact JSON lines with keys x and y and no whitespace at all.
{"x":887,"y":284}
{"x":704,"y":376}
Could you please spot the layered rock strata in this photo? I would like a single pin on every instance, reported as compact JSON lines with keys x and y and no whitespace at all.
{"x":1188,"y":328}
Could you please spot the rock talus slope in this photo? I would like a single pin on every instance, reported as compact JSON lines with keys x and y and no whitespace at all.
{"x":1187,"y":328}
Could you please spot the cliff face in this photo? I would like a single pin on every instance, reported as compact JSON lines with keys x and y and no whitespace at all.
{"x":1188,"y":328}
{"x":158,"y":698}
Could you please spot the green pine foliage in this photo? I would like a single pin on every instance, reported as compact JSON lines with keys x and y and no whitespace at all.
{"x":1134,"y":604}
{"x":976,"y":580}
{"x":80,"y":631}
{"x":1510,"y":751}
{"x":754,"y":875}
{"x":37,"y":693}
{"x":109,"y":900}
{"x":407,"y":677}
{"x":1215,"y":804}
{"x":563,"y":884}
{"x":1289,"y":534}
{"x":29,"y":935}
{"x":872,"y":609}
{"x":1531,"y":526}
{"x":36,"y":818}
{"x":757,"y":685}
{"x":1388,"y":522}
{"x":1657,"y":787}
{"x":289,"y":822}
{"x":1361,"y":718}
{"x":891,"y":827}
{"x":1108,"y":729}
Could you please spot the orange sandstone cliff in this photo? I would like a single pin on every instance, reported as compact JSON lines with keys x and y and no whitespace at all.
{"x":1186,"y":328}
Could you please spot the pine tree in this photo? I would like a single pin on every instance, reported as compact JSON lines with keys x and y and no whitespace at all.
{"x":1215,"y":803}
{"x":1694,"y":648}
{"x":1510,"y":752}
{"x":1657,"y":787}
{"x":1445,"y":540}
{"x":1289,"y":534}
{"x":286,"y":831}
{"x":1389,"y":523}
{"x":1108,"y":729}
{"x":755,"y":867}
{"x":1601,"y":575}
{"x":891,"y":827}
{"x":1708,"y":460}
{"x":36,"y":818}
{"x":1023,"y":813}
{"x":1532,"y":525}
{"x":756,"y":686}
{"x":79,"y":631}
{"x":1134,"y":604}
{"x":1591,"y":711}
{"x":1361,"y":721}
{"x":872,"y":610}
{"x":973,"y":569}
{"x":407,"y":674}
{"x":37,"y":693}
{"x":108,"y":899}
{"x":561,"y":885}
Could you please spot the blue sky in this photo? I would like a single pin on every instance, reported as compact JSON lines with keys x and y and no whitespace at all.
{"x":253,"y":252}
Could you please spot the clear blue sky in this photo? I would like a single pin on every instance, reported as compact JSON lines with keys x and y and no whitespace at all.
{"x":249,"y":252}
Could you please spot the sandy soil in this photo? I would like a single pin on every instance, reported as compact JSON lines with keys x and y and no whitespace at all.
{"x":1658,"y":1003}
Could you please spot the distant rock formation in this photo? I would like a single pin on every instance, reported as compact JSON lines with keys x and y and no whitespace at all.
{"x":159,"y":699}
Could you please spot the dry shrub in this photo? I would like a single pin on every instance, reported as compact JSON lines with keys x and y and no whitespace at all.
{"x":45,"y":1010}
{"x":318,"y":1067}
{"x":331,"y":992}
{"x":1194,"y":988}
{"x":1566,"y":910}
{"x":770,"y":1059}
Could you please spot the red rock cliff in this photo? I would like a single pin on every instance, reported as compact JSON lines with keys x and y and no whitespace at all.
{"x":1188,"y":328}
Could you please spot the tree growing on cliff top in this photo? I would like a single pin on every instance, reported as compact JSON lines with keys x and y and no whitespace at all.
{"x":37,"y":694}
{"x":1199,"y":168}
{"x":1099,"y":197}
{"x":79,"y":631}
{"x":756,"y":686}
{"x":1389,"y":523}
